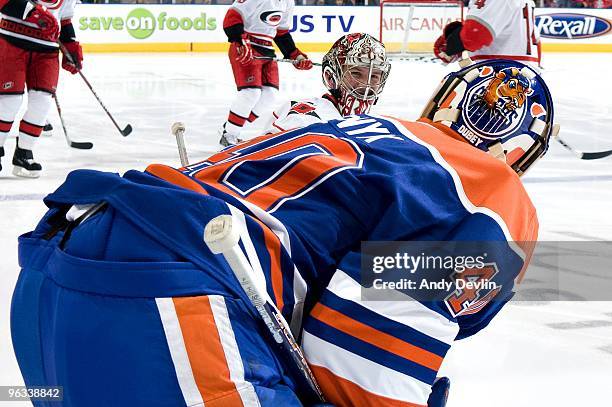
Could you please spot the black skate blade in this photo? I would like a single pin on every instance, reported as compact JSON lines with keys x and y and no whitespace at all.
{"x":85,"y":145}
{"x":127,"y":131}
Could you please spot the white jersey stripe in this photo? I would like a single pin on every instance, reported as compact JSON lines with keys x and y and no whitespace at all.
{"x":232,"y":353}
{"x":178,"y":352}
{"x":406,"y":312}
{"x":26,"y":38}
{"x":369,"y":375}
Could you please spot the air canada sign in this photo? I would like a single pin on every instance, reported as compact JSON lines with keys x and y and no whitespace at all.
{"x":570,"y":26}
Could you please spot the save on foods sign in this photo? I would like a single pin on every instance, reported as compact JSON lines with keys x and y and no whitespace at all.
{"x":129,"y":23}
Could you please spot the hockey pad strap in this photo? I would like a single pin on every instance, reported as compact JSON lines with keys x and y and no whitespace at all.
{"x":67,"y":33}
{"x":454,"y":44}
{"x":285,"y":44}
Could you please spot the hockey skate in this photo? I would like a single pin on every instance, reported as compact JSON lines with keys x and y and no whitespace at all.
{"x":24,"y":164}
{"x":226,"y":139}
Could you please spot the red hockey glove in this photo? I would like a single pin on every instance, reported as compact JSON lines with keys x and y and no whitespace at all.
{"x":448,"y":47}
{"x":49,"y":26}
{"x":301,"y":60}
{"x":244,"y":52}
{"x":440,"y":51}
{"x":75,"y":62}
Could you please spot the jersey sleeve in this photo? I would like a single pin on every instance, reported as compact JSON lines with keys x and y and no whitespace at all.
{"x":285,"y":23}
{"x":293,"y":115}
{"x":67,"y":11}
{"x":493,"y":14}
{"x":373,"y":351}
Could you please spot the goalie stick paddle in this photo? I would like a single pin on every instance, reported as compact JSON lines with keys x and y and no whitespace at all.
{"x":595,"y":155}
{"x":127,"y":129}
{"x":84,"y":145}
{"x":222,"y":235}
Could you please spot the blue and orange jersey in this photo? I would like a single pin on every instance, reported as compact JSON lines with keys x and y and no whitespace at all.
{"x":306,"y":199}
{"x":314,"y":194}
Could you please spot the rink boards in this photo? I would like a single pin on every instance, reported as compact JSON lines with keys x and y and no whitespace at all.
{"x":199,"y":28}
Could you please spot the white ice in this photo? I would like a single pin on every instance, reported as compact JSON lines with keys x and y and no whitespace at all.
{"x":520,"y":360}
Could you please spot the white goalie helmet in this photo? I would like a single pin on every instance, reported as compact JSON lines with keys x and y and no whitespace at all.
{"x":355,"y":71}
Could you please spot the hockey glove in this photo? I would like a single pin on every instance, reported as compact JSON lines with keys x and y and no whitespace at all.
{"x":300,"y":60}
{"x":75,"y":62}
{"x":244,"y":51}
{"x":39,"y":15}
{"x":448,"y":47}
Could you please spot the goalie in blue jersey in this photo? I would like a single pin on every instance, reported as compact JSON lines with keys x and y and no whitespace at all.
{"x":122,"y":303}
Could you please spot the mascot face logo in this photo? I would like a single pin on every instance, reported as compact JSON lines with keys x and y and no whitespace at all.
{"x":496,"y":105}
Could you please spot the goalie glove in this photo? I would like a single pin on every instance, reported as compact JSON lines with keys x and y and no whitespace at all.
{"x":244,"y":51}
{"x":300,"y":60}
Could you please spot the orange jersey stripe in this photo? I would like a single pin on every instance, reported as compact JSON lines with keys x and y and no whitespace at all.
{"x":175,"y":177}
{"x":375,"y":337}
{"x":206,"y":355}
{"x":480,"y":174}
{"x":274,"y":251}
{"x":342,"y":392}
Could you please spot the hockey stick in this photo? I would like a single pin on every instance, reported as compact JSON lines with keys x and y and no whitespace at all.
{"x":585,"y":156}
{"x":85,"y":145}
{"x":284,"y":60}
{"x":222,"y":235}
{"x":178,"y":129}
{"x":124,"y":132}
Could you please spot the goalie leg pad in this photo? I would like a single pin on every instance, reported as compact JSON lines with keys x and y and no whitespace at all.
{"x":169,"y":330}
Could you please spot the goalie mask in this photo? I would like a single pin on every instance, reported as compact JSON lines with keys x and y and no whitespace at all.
{"x":499,"y":106}
{"x":355,"y":71}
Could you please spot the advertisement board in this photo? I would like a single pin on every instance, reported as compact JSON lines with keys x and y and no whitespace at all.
{"x":133,"y":27}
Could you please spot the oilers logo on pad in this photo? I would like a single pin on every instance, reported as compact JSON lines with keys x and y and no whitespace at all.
{"x":497,"y":104}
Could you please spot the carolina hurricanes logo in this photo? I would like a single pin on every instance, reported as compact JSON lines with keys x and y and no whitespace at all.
{"x":303,"y":108}
{"x":272,"y":18}
{"x":51,"y":4}
{"x":497,"y":105}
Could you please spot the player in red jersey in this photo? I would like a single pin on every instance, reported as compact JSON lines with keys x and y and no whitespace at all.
{"x":493,"y":29}
{"x":251,"y":27}
{"x":29,"y":35}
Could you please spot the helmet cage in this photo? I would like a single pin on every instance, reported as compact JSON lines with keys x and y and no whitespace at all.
{"x":355,"y":71}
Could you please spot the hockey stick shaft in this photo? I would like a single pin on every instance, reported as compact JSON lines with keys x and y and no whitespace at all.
{"x":292,"y":61}
{"x":595,"y":155}
{"x":178,"y":129}
{"x":124,"y":132}
{"x":222,"y":237}
{"x":85,"y":145}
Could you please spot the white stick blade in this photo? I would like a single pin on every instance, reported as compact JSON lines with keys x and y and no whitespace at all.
{"x":220,"y":234}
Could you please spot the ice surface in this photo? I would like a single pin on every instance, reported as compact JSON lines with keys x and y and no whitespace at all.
{"x":536,"y":354}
